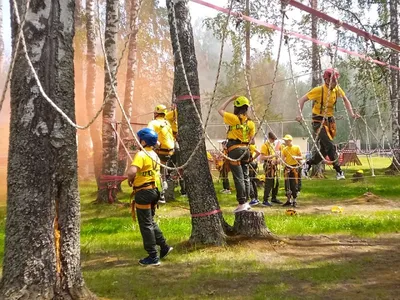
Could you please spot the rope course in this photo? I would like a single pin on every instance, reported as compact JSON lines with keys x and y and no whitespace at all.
{"x":260,"y":121}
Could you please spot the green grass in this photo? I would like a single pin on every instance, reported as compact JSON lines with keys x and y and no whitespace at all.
{"x":244,"y":269}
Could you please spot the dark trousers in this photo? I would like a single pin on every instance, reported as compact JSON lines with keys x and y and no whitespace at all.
{"x":291,"y":182}
{"x":224,"y":175}
{"x":240,"y":172}
{"x":151,"y":233}
{"x":253,"y":180}
{"x":327,"y":147}
{"x":271,"y":185}
{"x":175,"y":159}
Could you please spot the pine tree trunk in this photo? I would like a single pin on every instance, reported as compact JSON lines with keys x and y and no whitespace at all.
{"x":130,"y":83}
{"x":394,"y":82}
{"x":107,"y":191}
{"x":81,"y":117}
{"x":91,"y":74}
{"x":202,"y":198}
{"x":42,"y":164}
{"x":251,"y":224}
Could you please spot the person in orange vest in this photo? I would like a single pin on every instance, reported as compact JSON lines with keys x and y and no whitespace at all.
{"x":144,"y":178}
{"x":291,"y":155}
{"x":241,"y":131}
{"x":323,"y":121}
{"x":166,"y":142}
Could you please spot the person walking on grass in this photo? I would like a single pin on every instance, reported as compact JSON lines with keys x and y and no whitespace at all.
{"x":144,"y":178}
{"x":291,"y":156}
{"x":270,"y":158}
{"x":166,"y":144}
{"x":240,"y":133}
{"x":253,"y":172}
{"x":323,"y":121}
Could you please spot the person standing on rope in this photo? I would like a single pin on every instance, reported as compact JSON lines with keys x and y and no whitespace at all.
{"x":172,"y":118}
{"x":291,"y":156}
{"x":270,"y":158}
{"x":241,"y":131}
{"x":323,"y":121}
{"x":253,"y":172}
{"x":166,"y":142}
{"x":144,"y":178}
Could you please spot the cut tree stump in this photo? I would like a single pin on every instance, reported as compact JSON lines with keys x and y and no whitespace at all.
{"x":251,"y":224}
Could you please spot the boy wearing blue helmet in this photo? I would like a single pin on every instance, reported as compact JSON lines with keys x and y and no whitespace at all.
{"x":144,"y":177}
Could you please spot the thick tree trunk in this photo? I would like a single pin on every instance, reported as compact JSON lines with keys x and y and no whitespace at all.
{"x":206,"y":229}
{"x":251,"y":224}
{"x":84,"y":144}
{"x":317,"y":170}
{"x":91,"y":87}
{"x":42,"y":191}
{"x":394,"y":82}
{"x":107,"y":190}
{"x":130,"y":83}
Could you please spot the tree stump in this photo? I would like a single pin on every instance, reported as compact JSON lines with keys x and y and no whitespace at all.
{"x":251,"y":224}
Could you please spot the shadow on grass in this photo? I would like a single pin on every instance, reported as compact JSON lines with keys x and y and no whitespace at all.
{"x":228,"y":273}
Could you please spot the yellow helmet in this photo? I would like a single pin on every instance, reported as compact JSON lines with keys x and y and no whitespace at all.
{"x":291,"y":212}
{"x":160,"y":109}
{"x":240,"y":101}
{"x":288,"y":137}
{"x":360,"y":172}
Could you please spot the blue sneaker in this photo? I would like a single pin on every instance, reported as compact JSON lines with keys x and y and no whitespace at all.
{"x":165,"y":251}
{"x":266,"y":203}
{"x":254,"y":202}
{"x":149,"y":261}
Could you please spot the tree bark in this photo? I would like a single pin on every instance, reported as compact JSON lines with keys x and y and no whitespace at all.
{"x":251,"y":224}
{"x":84,"y":144}
{"x":42,"y":195}
{"x":248,"y":63}
{"x":91,"y":74}
{"x":130,"y":83}
{"x":107,"y":191}
{"x":202,"y":198}
{"x":394,"y":82}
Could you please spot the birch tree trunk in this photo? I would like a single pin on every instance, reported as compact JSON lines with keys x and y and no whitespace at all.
{"x":394,"y":82}
{"x":81,"y":117}
{"x":108,"y":190}
{"x":91,"y":74}
{"x":42,"y":244}
{"x":202,"y":198}
{"x":130,"y":82}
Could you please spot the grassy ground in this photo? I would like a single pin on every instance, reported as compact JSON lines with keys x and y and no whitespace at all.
{"x":334,"y":256}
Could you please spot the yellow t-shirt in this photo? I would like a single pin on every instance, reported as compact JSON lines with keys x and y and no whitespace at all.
{"x":172,"y":118}
{"x":243,"y":131}
{"x":209,"y":156}
{"x":321,"y":92}
{"x":148,"y":169}
{"x":288,"y":152}
{"x":267,"y":149}
{"x":164,"y":131}
{"x":252,"y":150}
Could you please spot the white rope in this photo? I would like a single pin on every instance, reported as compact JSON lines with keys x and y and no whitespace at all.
{"x":14,"y":57}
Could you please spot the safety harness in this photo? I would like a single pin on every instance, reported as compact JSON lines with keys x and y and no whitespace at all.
{"x":327,"y":122}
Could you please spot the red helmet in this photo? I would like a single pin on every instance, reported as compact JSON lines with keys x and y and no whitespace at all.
{"x":328,"y":74}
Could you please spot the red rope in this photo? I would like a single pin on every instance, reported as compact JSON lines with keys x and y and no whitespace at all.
{"x":187,"y":97}
{"x":216,"y":211}
{"x":298,"y":35}
{"x":110,"y":182}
